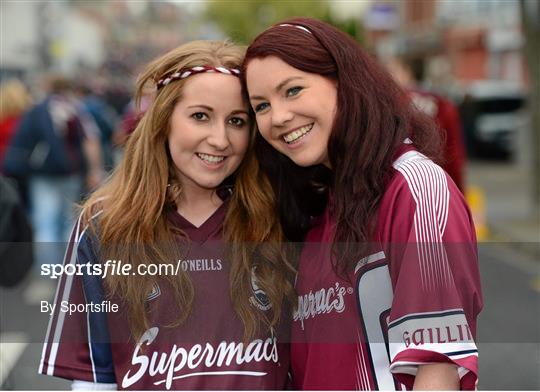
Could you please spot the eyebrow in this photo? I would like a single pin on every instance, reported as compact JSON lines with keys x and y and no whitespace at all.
{"x":277,"y":88}
{"x":237,"y":111}
{"x":240,"y":111}
{"x":201,"y":106}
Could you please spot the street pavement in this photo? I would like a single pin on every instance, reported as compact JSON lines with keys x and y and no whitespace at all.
{"x":509,"y":324}
{"x":507,"y":189}
{"x":508,"y":327}
{"x":23,"y":325}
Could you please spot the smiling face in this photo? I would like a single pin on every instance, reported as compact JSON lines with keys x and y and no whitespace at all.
{"x":295,"y":110}
{"x":209,"y":130}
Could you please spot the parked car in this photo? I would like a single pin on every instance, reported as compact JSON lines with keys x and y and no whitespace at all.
{"x":494,"y":115}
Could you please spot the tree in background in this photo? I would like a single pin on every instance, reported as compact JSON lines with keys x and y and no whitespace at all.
{"x":243,"y":20}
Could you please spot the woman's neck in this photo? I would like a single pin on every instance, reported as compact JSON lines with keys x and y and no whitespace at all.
{"x":196,"y":205}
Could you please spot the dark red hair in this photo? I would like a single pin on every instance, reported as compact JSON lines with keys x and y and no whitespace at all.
{"x":374,"y":116}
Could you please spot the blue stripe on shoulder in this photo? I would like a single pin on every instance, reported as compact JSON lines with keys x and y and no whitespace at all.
{"x":98,"y":331}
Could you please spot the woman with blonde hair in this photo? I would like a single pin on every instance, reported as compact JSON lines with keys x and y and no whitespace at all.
{"x":14,"y":101}
{"x":167,"y":290}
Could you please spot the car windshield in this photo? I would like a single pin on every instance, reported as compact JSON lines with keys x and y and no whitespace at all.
{"x":499,"y":105}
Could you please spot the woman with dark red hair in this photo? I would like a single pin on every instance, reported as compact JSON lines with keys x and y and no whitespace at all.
{"x":388,"y":282}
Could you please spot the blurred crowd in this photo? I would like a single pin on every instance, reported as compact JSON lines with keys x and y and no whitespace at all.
{"x":56,"y":145}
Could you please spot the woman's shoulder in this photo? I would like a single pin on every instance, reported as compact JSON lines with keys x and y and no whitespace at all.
{"x":420,"y":185}
{"x":89,"y":216}
{"x":417,"y":181}
{"x":418,"y":173}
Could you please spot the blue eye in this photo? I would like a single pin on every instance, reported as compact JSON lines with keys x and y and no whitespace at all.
{"x":291,"y":92}
{"x":200,"y":116}
{"x":237,"y":122}
{"x":261,"y":107}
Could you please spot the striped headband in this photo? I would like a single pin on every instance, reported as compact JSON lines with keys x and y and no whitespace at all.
{"x":182,"y":74}
{"x":297,"y":26}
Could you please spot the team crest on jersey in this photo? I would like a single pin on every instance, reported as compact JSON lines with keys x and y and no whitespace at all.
{"x":156,"y":292}
{"x":259,"y":298}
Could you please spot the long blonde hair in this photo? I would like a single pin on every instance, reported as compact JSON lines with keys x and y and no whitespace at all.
{"x":133,"y":224}
{"x":14,"y":99}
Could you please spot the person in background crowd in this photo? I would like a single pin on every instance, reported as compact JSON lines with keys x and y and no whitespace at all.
{"x":58,"y":150}
{"x":409,"y":74}
{"x":130,"y":119}
{"x":116,"y":94}
{"x":14,"y":101}
{"x":468,"y":113}
{"x":104,"y":117}
{"x":16,"y":254}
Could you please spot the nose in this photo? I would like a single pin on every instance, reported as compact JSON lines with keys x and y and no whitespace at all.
{"x":219,"y":138}
{"x":281,"y":114}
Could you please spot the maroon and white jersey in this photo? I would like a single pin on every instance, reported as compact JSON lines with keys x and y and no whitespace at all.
{"x":206,"y":352}
{"x":412,"y":300}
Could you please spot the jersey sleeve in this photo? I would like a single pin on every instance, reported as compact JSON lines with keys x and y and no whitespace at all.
{"x":434,"y":274}
{"x":77,"y":345}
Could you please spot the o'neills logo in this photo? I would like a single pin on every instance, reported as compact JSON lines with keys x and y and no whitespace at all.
{"x":320,"y":302}
{"x":201,"y":265}
{"x":179,"y":363}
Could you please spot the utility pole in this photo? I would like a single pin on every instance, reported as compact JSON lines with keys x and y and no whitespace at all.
{"x":530,"y":16}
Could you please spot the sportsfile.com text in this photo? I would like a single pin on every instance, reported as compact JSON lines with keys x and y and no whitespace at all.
{"x":111,"y":268}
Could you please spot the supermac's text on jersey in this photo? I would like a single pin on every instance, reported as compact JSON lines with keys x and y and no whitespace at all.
{"x":120,"y":268}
